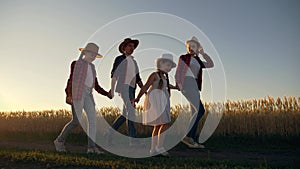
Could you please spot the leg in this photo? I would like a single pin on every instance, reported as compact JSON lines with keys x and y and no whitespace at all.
{"x":118,"y":122}
{"x":190,"y":91}
{"x":76,"y":111}
{"x":121,"y":119}
{"x":131,"y":129}
{"x":128,"y":95}
{"x":68,"y":127}
{"x":193,"y":131}
{"x":131,"y":114}
{"x":193,"y":96}
{"x":89,"y":107}
{"x":79,"y":105}
{"x":115,"y":126}
{"x":161,"y":137}
{"x":154,"y":138}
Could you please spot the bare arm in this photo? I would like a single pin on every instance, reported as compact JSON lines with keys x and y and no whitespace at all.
{"x":208,"y":61}
{"x":140,"y":84}
{"x":144,"y":88}
{"x":173,"y":87}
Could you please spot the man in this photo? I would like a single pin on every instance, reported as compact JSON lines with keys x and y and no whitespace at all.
{"x":189,"y":72}
{"x":125,"y":76}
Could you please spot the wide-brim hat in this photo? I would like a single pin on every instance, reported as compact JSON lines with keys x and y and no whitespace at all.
{"x":166,"y":56}
{"x":126,"y":41}
{"x":93,"y":48}
{"x":194,"y":39}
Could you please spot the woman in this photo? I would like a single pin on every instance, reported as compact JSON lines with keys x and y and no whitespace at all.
{"x":189,"y":71}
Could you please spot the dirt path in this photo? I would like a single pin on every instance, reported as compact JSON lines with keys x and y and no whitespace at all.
{"x":283,"y":158}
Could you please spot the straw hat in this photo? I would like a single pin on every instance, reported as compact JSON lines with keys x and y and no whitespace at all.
{"x":166,"y":56}
{"x":126,"y":41}
{"x":194,"y":39}
{"x":93,"y":48}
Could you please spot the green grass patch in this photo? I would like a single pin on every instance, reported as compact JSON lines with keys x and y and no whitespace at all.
{"x":77,"y":160}
{"x":18,"y":157}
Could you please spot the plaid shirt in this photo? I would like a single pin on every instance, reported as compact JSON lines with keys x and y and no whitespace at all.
{"x":183,"y":65}
{"x":77,"y":78}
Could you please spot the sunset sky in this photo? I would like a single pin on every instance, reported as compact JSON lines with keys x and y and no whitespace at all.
{"x":258,"y":43}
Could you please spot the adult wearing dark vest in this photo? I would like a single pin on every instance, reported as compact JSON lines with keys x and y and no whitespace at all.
{"x":189,"y":71}
{"x":125,"y":76}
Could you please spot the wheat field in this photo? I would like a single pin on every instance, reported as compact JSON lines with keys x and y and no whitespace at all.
{"x":266,"y":116}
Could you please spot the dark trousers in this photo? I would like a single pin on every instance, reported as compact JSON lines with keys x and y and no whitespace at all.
{"x":127,"y":94}
{"x":192,"y":94}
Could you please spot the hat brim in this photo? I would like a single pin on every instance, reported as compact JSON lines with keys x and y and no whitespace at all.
{"x":135,"y":42}
{"x":159,"y":59}
{"x":98,"y":55}
{"x":189,"y":41}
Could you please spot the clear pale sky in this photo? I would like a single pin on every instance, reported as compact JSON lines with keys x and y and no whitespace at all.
{"x":258,"y":43}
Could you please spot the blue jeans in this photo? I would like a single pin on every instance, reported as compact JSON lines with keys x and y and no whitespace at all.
{"x":127,"y":94}
{"x":88,"y":104}
{"x":68,"y":127}
{"x":191,"y":93}
{"x":74,"y":122}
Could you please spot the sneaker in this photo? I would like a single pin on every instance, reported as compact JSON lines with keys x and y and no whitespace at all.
{"x":200,"y":145}
{"x":59,"y":146}
{"x":94,"y":150}
{"x":162,"y":152}
{"x":191,"y":143}
{"x":153,"y":152}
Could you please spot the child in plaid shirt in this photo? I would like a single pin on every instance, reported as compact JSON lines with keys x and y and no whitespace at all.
{"x":79,"y":88}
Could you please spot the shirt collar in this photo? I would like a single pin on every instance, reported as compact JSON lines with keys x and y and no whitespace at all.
{"x":130,"y":57}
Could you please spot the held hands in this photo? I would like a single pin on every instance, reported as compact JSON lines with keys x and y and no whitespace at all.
{"x":133,"y":103}
{"x":136,"y":100}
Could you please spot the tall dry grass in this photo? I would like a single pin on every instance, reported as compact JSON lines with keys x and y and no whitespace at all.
{"x":267,"y":116}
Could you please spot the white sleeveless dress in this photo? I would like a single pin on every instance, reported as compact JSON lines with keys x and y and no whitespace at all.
{"x":157,"y":104}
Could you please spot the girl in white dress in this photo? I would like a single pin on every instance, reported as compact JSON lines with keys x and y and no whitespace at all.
{"x":157,"y":102}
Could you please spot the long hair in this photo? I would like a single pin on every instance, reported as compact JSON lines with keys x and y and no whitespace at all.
{"x":81,"y":55}
{"x":161,"y":82}
{"x":168,"y":83}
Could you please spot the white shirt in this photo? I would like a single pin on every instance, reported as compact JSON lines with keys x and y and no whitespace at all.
{"x":130,"y":72}
{"x":194,"y":68}
{"x":89,"y":77}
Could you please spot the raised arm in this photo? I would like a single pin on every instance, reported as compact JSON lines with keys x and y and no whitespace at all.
{"x":208,"y":63}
